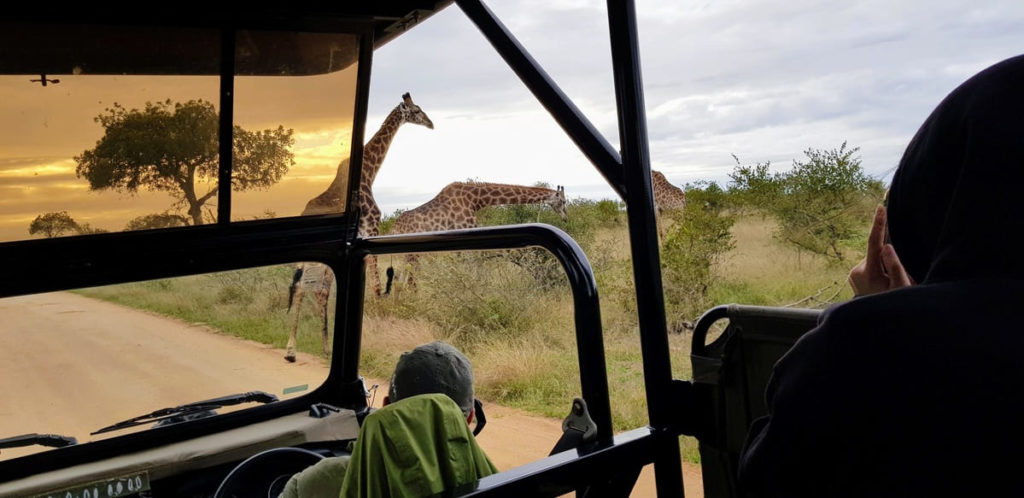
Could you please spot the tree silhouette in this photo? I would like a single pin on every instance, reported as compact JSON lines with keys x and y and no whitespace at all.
{"x":158,"y":220}
{"x":53,"y":224}
{"x":173,"y":147}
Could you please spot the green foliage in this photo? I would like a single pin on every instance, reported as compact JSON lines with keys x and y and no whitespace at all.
{"x":53,"y":224}
{"x":692,"y":246}
{"x":707,"y":194}
{"x":754,"y":186}
{"x":585,"y":218}
{"x":476,"y":297}
{"x":174,"y":148}
{"x":820,"y":204}
{"x":387,"y":222}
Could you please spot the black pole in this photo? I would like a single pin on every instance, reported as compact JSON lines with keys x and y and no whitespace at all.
{"x":354,"y":285}
{"x":569,"y":117}
{"x":226,"y":123}
{"x":643,"y":238}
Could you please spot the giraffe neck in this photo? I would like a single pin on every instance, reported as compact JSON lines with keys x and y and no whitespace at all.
{"x":481,"y":195}
{"x":377,"y":147}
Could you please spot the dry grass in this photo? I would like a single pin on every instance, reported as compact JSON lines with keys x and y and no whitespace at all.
{"x":762,"y":270}
{"x":385,"y":338}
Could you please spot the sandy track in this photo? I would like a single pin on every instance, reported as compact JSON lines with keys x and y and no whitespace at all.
{"x":73,"y":364}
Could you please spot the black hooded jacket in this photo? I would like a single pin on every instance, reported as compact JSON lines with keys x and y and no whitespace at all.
{"x":920,"y":391}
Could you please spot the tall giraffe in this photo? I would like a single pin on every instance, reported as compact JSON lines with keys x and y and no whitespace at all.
{"x":456,"y":205}
{"x":318,"y":277}
{"x":667,"y":197}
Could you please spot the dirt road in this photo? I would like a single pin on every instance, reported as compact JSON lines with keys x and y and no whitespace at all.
{"x":72,"y":365}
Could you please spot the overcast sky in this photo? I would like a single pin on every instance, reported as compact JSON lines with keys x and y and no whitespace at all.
{"x":763,"y":80}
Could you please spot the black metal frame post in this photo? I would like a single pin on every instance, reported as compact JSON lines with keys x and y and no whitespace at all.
{"x":225,"y":135}
{"x":643,"y":238}
{"x":348,"y":325}
{"x":569,"y":117}
{"x":630,"y":176}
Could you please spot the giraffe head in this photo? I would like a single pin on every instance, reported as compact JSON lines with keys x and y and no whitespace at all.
{"x":411,"y":113}
{"x":557,"y":202}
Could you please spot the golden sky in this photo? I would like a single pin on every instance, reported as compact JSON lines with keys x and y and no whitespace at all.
{"x":43,"y":128}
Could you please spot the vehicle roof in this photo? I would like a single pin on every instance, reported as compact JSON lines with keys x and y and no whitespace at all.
{"x":57,"y":41}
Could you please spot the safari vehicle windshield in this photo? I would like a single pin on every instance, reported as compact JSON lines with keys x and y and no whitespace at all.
{"x":114,"y":129}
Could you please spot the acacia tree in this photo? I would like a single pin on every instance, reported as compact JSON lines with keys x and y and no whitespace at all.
{"x":57,"y":223}
{"x":173,"y":147}
{"x":157,"y":220}
{"x":53,"y":224}
{"x":819,"y":204}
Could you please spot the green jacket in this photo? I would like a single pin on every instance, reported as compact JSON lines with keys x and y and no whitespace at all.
{"x":418,"y":446}
{"x":320,"y":480}
{"x":415,"y":447}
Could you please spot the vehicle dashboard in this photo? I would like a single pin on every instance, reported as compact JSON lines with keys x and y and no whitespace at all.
{"x":194,"y":467}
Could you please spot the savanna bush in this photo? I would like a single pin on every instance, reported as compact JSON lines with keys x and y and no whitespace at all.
{"x":820,"y":204}
{"x":475,"y":297}
{"x":695,"y":242}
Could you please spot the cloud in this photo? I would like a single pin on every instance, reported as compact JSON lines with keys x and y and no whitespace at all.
{"x":765,"y":80}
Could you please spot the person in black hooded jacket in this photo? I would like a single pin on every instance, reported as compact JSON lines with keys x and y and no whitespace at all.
{"x":916,"y":386}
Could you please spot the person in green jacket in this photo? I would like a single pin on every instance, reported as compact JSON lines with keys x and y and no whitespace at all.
{"x":419,"y":444}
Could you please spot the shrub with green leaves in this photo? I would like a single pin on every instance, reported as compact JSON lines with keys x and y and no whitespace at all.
{"x":695,"y":242}
{"x":820,"y":204}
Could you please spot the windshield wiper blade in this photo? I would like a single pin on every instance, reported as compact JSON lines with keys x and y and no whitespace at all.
{"x":54,"y":440}
{"x":191,"y":408}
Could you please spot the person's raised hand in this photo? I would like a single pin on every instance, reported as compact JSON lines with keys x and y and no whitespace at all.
{"x":881,"y":269}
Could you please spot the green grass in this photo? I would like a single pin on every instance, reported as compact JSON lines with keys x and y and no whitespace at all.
{"x":510,"y":316}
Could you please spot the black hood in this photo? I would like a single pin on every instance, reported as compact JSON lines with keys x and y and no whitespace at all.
{"x":956,"y":204}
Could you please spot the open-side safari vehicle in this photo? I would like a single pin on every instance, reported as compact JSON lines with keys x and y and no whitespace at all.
{"x":90,"y":419}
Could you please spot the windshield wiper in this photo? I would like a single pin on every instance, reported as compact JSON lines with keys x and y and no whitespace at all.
{"x":199,"y":409}
{"x":54,"y":440}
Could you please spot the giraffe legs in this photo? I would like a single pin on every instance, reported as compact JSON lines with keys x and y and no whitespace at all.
{"x":372,"y":274}
{"x":296,"y":302}
{"x":322,"y":295}
{"x":321,"y":278}
{"x":403,"y":277}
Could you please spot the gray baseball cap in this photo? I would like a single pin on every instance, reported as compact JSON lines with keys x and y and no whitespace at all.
{"x":436,"y":367}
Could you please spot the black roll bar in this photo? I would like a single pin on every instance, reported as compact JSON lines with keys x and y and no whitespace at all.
{"x":629,"y":174}
{"x":589,"y":335}
{"x":569,"y":117}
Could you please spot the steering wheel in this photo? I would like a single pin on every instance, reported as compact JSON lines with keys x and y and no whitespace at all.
{"x":266,"y":473}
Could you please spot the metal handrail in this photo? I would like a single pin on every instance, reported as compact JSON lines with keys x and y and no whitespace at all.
{"x":589,"y":334}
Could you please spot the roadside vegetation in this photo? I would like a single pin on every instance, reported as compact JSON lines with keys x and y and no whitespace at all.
{"x":765,"y":238}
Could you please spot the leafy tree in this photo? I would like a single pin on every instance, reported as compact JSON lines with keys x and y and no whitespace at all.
{"x":173,"y":147}
{"x":822,"y":197}
{"x":820,"y":204}
{"x":156,"y":220}
{"x":53,"y":224}
{"x":707,"y":194}
{"x":755,"y":186}
{"x":697,"y":239}
{"x":388,"y":221}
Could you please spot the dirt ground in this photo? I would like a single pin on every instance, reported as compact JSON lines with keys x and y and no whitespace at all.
{"x":72,"y":365}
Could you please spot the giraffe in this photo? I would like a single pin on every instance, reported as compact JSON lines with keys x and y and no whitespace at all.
{"x":456,"y":205}
{"x":317,"y":277}
{"x":667,"y":197}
